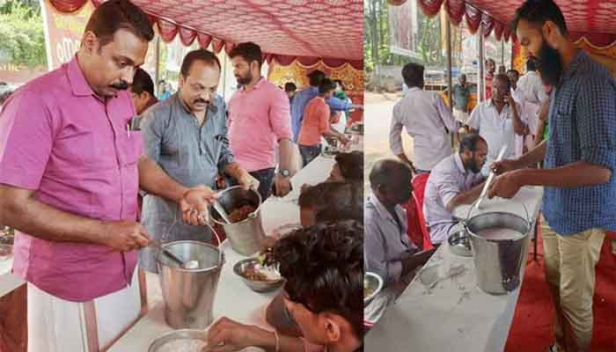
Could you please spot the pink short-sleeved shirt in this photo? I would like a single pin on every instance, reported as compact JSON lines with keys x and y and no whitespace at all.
{"x":73,"y":150}
{"x":258,"y":119}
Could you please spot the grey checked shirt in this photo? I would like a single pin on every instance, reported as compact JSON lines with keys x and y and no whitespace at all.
{"x":191,"y":155}
{"x":448,"y":179}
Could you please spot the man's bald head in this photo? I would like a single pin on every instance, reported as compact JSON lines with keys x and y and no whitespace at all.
{"x":391,"y":181}
{"x":385,"y":171}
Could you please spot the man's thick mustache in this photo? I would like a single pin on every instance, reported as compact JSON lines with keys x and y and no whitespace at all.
{"x":122,"y":85}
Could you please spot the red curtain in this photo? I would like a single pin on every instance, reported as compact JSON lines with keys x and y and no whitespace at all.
{"x":473,"y":18}
{"x":217,"y":45}
{"x":167,"y":30}
{"x":67,"y":6}
{"x":187,"y":36}
{"x":498,"y":30}
{"x":204,"y":40}
{"x":455,"y":10}
{"x":430,"y":8}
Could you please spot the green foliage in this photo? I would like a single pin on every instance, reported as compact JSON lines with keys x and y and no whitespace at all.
{"x":22,"y":38}
{"x":377,"y":38}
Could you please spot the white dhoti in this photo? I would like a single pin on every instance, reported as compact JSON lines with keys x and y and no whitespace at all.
{"x":56,"y":325}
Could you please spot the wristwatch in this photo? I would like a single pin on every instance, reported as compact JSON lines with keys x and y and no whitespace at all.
{"x":285,"y":172}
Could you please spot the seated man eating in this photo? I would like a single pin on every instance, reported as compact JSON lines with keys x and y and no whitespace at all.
{"x":454,"y":181}
{"x":389,"y":251}
{"x":323,"y":293}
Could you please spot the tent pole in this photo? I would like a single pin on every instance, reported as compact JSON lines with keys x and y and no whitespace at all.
{"x":453,"y":134}
{"x":449,"y":64}
{"x":480,"y":80}
{"x":157,"y":69}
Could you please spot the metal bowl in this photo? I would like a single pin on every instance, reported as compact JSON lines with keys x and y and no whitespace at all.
{"x":256,"y":285}
{"x":6,"y":252}
{"x":188,"y":340}
{"x":374,"y":284}
{"x":460,"y":243}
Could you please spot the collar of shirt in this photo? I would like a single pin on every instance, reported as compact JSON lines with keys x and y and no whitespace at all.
{"x":573,"y":67}
{"x":504,"y":111}
{"x":457,"y":159}
{"x":77,"y":80}
{"x":259,"y":84}
{"x":384,"y":213}
{"x":79,"y":84}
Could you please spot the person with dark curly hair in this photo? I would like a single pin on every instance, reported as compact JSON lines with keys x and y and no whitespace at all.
{"x":323,"y":293}
{"x":331,"y":201}
{"x":349,"y":167}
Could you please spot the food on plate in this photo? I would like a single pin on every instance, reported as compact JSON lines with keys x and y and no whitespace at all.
{"x":241,"y":213}
{"x":368,"y":291}
{"x":258,"y":272}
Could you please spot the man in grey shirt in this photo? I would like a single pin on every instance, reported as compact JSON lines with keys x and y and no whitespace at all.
{"x":454,"y":181}
{"x":186,"y":135}
{"x":388,"y":250}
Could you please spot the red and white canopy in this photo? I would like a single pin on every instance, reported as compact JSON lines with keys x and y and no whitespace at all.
{"x":308,"y":30}
{"x":592,"y":19}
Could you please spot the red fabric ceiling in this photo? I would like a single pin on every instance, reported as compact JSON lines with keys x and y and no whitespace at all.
{"x":592,"y":19}
{"x":286,"y":29}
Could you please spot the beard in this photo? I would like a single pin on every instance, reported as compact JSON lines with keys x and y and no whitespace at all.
{"x":474,"y":167}
{"x":243,"y":80}
{"x":549,"y":64}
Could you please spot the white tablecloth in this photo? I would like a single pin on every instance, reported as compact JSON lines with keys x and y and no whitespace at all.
{"x":443,"y":309}
{"x":8,"y":281}
{"x":234,"y":299}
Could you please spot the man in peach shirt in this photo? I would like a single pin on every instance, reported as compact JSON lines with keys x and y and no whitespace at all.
{"x":316,"y":123}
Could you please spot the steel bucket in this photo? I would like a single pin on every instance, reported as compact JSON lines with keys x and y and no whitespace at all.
{"x":189,"y":293}
{"x":244,"y":236}
{"x":499,"y":241}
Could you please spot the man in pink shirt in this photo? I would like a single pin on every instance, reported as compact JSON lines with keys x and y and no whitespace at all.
{"x":260,"y":120}
{"x":70,"y":170}
{"x":316,"y":124}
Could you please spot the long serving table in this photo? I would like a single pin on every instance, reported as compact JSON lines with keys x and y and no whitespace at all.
{"x":233,"y":298}
{"x":443,"y":309}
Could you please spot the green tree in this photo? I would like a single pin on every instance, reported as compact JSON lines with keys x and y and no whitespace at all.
{"x":22,"y":38}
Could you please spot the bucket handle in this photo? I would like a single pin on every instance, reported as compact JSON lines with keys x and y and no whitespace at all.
{"x":470,"y":210}
{"x":220,"y":255}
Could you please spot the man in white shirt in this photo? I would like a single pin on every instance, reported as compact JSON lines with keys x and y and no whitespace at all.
{"x":427,"y":120}
{"x":454,"y":181}
{"x":531,"y":85}
{"x":498,"y":121}
{"x":532,"y":93}
{"x":526,"y":112}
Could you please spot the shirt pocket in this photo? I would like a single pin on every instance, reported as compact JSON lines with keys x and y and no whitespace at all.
{"x":132,"y":147}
